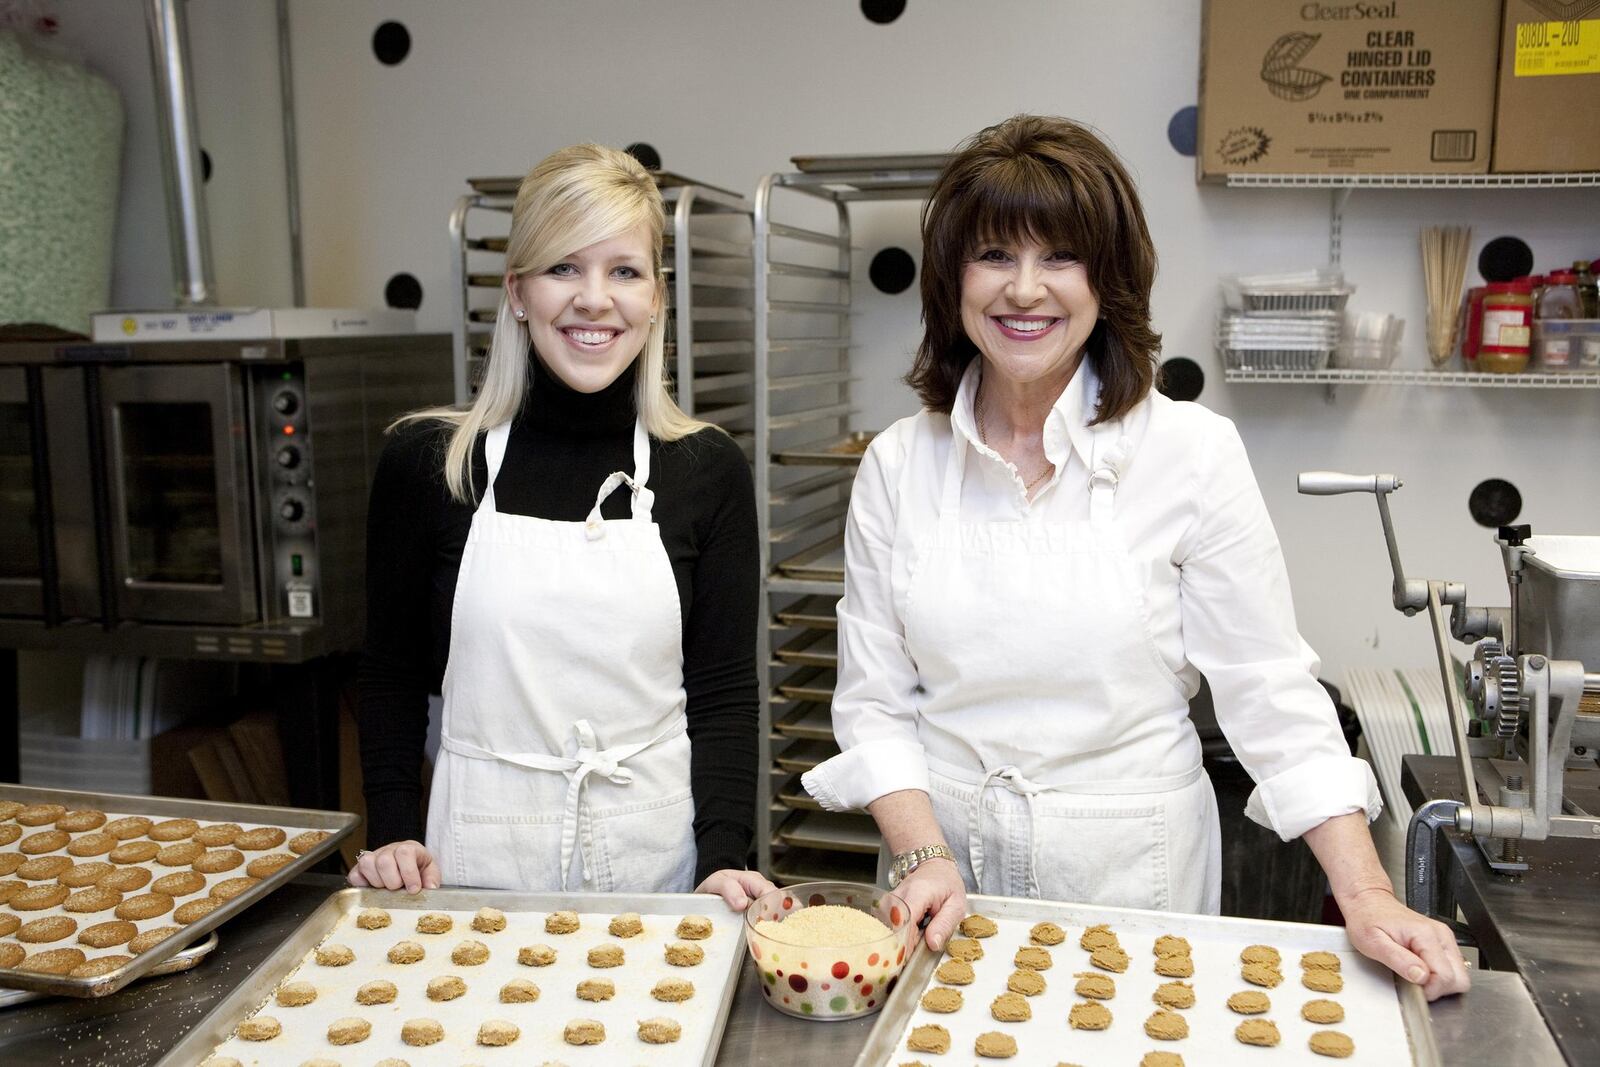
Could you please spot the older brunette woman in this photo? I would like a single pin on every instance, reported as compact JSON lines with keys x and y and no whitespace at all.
{"x":1041,"y":565}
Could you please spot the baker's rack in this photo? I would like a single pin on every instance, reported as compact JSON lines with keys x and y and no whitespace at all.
{"x":806,"y":455}
{"x":707,"y":264}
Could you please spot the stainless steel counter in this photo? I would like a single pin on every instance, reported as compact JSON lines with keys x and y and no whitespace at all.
{"x":1496,"y":1024}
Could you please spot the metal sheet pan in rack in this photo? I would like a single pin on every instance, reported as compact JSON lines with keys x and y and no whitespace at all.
{"x":817,"y":612}
{"x":883,"y":1045}
{"x":801,"y":756}
{"x":851,"y":164}
{"x":255,"y":991}
{"x":816,"y":865}
{"x":823,"y":562}
{"x":338,"y":824}
{"x":181,"y":961}
{"x":811,"y":648}
{"x":833,"y":831}
{"x":845,"y":450}
{"x":810,"y":683}
{"x":792,"y":794}
{"x":665,"y":179}
{"x":810,"y":720}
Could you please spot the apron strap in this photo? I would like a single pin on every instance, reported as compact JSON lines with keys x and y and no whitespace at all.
{"x":644,"y":499}
{"x":494,"y":452}
{"x":1108,"y":468}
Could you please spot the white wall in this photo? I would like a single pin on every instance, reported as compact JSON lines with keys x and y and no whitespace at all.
{"x":727,"y":90}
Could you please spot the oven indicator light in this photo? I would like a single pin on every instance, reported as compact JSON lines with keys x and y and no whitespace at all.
{"x":288,"y":431}
{"x":297,"y":565}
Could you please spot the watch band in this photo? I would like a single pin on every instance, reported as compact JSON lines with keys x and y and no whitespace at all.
{"x":906,"y":862}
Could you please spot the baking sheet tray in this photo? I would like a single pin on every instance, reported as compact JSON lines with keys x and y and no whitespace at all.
{"x":181,"y":961}
{"x":853,"y":164}
{"x":817,"y":612}
{"x":1386,"y":1019}
{"x":812,"y":722}
{"x":823,"y":562}
{"x":665,"y":179}
{"x":813,"y":648}
{"x":338,"y":825}
{"x":703,"y":1016}
{"x":845,"y":450}
{"x":809,"y":683}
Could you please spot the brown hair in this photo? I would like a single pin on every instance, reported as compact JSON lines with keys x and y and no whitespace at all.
{"x":1053,"y":181}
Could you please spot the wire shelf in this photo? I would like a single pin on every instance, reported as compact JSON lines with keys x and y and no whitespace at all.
{"x":1448,"y":378}
{"x":1576,"y":180}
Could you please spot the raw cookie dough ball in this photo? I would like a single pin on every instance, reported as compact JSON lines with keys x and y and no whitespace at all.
{"x":1031,"y":958}
{"x":561,"y":922}
{"x":1010,"y":1008}
{"x":372,"y":919}
{"x":1164,"y":1025}
{"x":659,"y":1031}
{"x":685,"y":954}
{"x":1332,"y":1043}
{"x":1095,"y":986}
{"x":1175,"y":966}
{"x":964,"y":948}
{"x":536,"y":956}
{"x":128,"y":827}
{"x":519,"y":991}
{"x":257,"y":840}
{"x":43,"y":931}
{"x":403,"y":952}
{"x":95,"y":898}
{"x":334,"y":955}
{"x":469,"y":954}
{"x":1171,"y":945}
{"x":78,"y":821}
{"x":995,"y":1046}
{"x":434,"y":922}
{"x":1099,"y":936}
{"x":217,"y":860}
{"x":1313,"y":1011}
{"x":498,"y":1032}
{"x":418,"y":1032}
{"x":43,"y":868}
{"x":446,"y":987}
{"x":180,"y":855}
{"x":125,"y":879}
{"x":40,"y":897}
{"x":295,"y":994}
{"x":1250,"y":1002}
{"x":348,"y":1031}
{"x":1161,"y":1059}
{"x":673,"y":990}
{"x":96,"y":844}
{"x":1319,"y":961}
{"x":694,"y":928}
{"x":584,"y":1032}
{"x":1110,"y":958}
{"x":217,"y":834}
{"x":179,"y":883}
{"x":1028,"y":983}
{"x":1046,"y":934}
{"x":134,"y":852}
{"x":40,"y":814}
{"x":941,"y":1001}
{"x":596,"y":989}
{"x":150,"y":939}
{"x":267,"y":866}
{"x":229,"y":888}
{"x":43,"y":841}
{"x":489,"y":921}
{"x":380,"y":991}
{"x":1090,"y":1015}
{"x":1262,"y":974}
{"x":1321,"y":981}
{"x":261,"y":1028}
{"x":300,"y":844}
{"x":606,"y":956}
{"x":82,"y":875}
{"x":99,"y":965}
{"x":979,"y":926}
{"x":628,"y":924}
{"x":1260,"y":954}
{"x":229,"y":1061}
{"x":930,"y":1037}
{"x":1174,"y":995}
{"x":1262,"y":1032}
{"x":955,"y":972}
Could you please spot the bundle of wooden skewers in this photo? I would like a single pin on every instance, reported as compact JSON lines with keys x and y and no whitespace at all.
{"x":1444,"y":272}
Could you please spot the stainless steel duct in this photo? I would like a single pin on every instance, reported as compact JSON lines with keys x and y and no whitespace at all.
{"x":193,"y":283}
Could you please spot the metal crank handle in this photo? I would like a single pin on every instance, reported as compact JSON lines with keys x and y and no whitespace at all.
{"x":1409,"y":596}
{"x":1332,"y":483}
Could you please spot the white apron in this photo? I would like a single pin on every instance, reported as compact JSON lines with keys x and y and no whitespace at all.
{"x":563,"y":735}
{"x":1055,"y":611}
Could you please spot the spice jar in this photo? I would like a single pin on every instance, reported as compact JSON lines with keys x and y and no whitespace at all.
{"x":1558,"y":301}
{"x":1588,"y":293}
{"x":1506,"y":326}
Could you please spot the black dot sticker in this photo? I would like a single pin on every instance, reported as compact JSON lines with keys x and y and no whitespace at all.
{"x":403,"y":291}
{"x":1181,"y":378}
{"x":1181,"y":130}
{"x":205,"y":165}
{"x":883,"y":12}
{"x":391,"y":43}
{"x":893,"y":270}
{"x":646,"y":154}
{"x":1505,"y":258}
{"x":1494,"y":503}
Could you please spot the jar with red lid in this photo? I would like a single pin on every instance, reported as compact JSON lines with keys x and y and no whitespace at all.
{"x":1506,"y":326}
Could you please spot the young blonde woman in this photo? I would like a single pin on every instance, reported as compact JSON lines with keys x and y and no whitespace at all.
{"x":575,"y":560}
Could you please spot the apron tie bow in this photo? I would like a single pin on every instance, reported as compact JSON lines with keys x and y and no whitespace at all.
{"x":1013,"y":779}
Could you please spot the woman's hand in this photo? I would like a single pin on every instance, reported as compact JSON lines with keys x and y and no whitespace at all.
{"x":399,"y":865}
{"x":935,"y":889}
{"x":736,"y":887}
{"x":1418,"y":949}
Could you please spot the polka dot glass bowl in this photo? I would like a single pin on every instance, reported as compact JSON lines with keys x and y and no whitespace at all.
{"x":830,"y":982}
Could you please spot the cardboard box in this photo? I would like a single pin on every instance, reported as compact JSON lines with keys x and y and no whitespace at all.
{"x":1549,"y":87}
{"x":1332,"y":86}
{"x":249,"y":324}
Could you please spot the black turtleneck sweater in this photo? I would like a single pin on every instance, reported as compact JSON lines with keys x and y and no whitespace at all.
{"x":562,"y":446}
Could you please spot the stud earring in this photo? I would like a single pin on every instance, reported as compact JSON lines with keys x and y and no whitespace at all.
{"x":652,"y":320}
{"x":519,"y":313}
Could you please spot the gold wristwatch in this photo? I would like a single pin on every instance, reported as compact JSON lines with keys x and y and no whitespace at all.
{"x":906,"y":862}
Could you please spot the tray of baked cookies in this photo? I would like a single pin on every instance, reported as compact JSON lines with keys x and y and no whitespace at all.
{"x":1044,"y":982}
{"x":99,"y":889}
{"x":457,"y":975}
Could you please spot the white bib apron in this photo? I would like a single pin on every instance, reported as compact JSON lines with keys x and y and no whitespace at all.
{"x":563,"y":734}
{"x":1053,"y":612}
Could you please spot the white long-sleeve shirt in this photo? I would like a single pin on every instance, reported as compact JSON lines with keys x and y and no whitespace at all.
{"x":1216,"y":597}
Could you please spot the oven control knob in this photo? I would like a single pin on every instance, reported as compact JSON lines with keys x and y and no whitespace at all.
{"x":286,"y":403}
{"x":288,"y":457}
{"x":291,"y":510}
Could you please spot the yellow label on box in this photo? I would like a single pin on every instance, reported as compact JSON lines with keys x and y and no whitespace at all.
{"x":1558,"y":48}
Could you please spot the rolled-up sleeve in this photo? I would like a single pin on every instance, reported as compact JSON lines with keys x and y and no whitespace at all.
{"x":1239,"y":631}
{"x":874,"y":714}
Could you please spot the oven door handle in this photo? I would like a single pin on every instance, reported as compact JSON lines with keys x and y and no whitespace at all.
{"x":100,"y":495}
{"x":43,"y":501}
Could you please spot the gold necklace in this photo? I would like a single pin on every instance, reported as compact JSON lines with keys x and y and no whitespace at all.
{"x":977,"y":404}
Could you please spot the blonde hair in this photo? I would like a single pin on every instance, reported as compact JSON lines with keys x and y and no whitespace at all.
{"x":574,"y":198}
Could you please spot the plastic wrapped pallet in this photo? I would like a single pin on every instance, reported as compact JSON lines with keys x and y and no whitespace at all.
{"x":60,"y":148}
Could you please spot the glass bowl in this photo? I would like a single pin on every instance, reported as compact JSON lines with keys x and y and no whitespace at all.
{"x":830,"y":982}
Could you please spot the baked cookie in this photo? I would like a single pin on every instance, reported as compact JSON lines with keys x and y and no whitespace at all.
{"x":144,"y":906}
{"x":134,"y":852}
{"x":606,"y":956}
{"x":1028,"y":983}
{"x":217,"y":860}
{"x":1046,"y":934}
{"x":1164,"y":1025}
{"x":43,"y":841}
{"x":50,"y":928}
{"x":1032,"y":958}
{"x":673,"y":990}
{"x":229,"y":888}
{"x":43,"y":868}
{"x":258,"y":840}
{"x":1161,"y":1059}
{"x":995,"y":1045}
{"x":129,"y":826}
{"x":955,"y":972}
{"x":1110,"y":958}
{"x":419,"y":1032}
{"x":1262,"y":974}
{"x":583,"y":1031}
{"x":40,"y":897}
{"x":1314,"y":961}
{"x":99,"y":965}
{"x":469,"y":954}
{"x":372,"y":919}
{"x":179,"y":883}
{"x":694,"y":928}
{"x":11,"y":887}
{"x":561,"y":922}
{"x":1175,"y":966}
{"x":95,"y":898}
{"x":336,"y":955}
{"x":10,"y":861}
{"x":930,"y":1037}
{"x":125,"y":879}
{"x":519,"y":991}
{"x":83,"y":875}
{"x":402,"y":952}
{"x":40,"y":814}
{"x":941,"y":1000}
{"x":1250,"y":1002}
{"x":1094,"y":986}
{"x":446,"y":987}
{"x":268,"y":865}
{"x":536,"y":955}
{"x":1260,"y":954}
{"x":95,"y":844}
{"x":348,"y":1031}
{"x":659,"y":1031}
{"x":498,"y":1032}
{"x":1322,"y":1012}
{"x":1099,"y":936}
{"x":196,"y":910}
{"x":628,"y":924}
{"x":261,"y":1028}
{"x":9,"y":808}
{"x":295,"y":994}
{"x":379,"y":991}
{"x":596,"y":989}
{"x":1174,"y":995}
{"x":1332,"y":1043}
{"x":8,"y":923}
{"x":489,"y":921}
{"x":1009,"y":1008}
{"x":300,"y":844}
{"x":150,"y":939}
{"x":1320,"y":981}
{"x":11,"y":954}
{"x":979,"y":926}
{"x":76,"y":822}
{"x":964,"y":948}
{"x":1089,"y":1015}
{"x":1171,"y":945}
{"x":172,"y":830}
{"x":217,"y":834}
{"x":1263,"y":1032}
{"x":685,"y":954}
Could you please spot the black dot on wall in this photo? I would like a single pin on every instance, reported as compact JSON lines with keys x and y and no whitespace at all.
{"x":1181,"y":378}
{"x":1505,"y":258}
{"x":1182,"y":130}
{"x":391,"y":43}
{"x":403,"y":291}
{"x":1494,"y":502}
{"x":646,"y":154}
{"x":205,"y":165}
{"x":893,"y":270}
{"x":883,"y":12}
